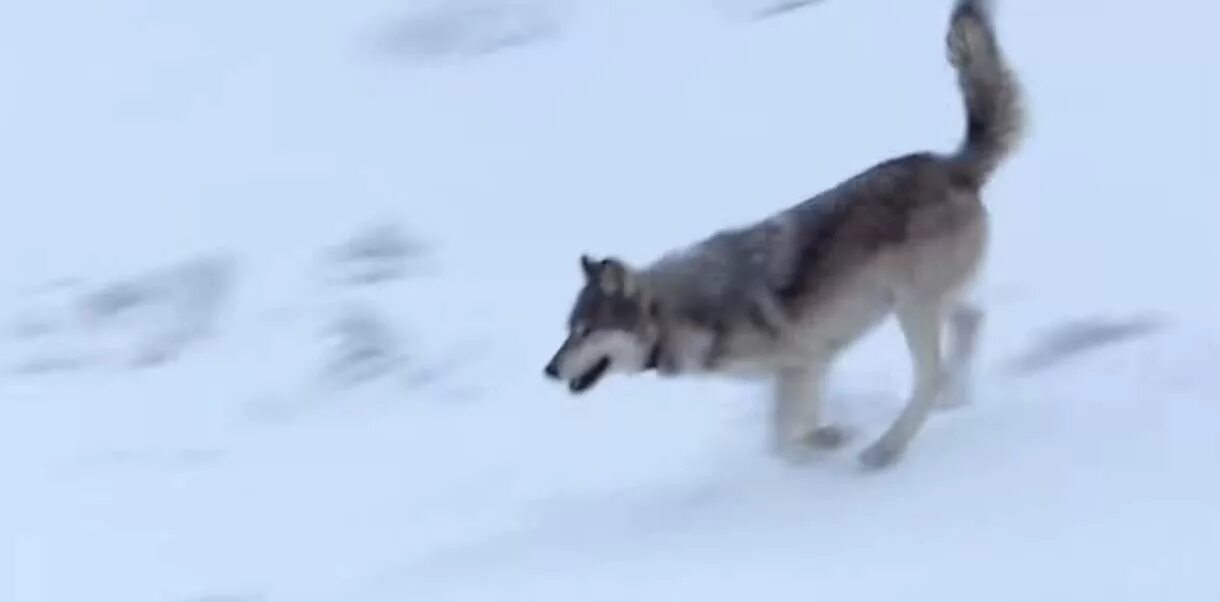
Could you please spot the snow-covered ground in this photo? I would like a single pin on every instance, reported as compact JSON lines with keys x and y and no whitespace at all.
{"x":278,"y":280}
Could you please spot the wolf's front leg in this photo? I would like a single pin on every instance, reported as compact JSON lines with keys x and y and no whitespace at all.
{"x":797,"y":429}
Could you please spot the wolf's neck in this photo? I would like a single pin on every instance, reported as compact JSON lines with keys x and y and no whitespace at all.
{"x":683,"y":287}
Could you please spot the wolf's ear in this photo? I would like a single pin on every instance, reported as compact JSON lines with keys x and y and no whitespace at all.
{"x":590,"y":267}
{"x":615,"y":278}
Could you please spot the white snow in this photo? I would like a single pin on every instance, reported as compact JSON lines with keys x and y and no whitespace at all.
{"x":380,"y":429}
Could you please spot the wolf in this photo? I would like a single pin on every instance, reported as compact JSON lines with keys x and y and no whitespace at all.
{"x":781,"y":298}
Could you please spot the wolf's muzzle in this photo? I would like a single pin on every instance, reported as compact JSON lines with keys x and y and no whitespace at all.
{"x":552,"y":369}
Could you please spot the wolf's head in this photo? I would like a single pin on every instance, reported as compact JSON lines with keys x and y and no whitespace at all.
{"x":612,"y":327}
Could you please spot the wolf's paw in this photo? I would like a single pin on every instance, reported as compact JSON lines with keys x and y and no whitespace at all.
{"x":956,"y":394}
{"x":828,"y":437}
{"x":794,"y":453}
{"x":952,"y":400}
{"x":880,"y":455}
{"x":804,"y":449}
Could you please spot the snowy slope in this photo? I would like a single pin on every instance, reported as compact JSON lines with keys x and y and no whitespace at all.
{"x":278,"y":279}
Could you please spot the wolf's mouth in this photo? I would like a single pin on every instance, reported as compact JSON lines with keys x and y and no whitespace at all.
{"x":590,"y":377}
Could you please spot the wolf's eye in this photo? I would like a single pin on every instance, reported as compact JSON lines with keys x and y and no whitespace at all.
{"x":580,"y":331}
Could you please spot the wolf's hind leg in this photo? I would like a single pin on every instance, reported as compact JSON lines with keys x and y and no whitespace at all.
{"x":964,"y":325}
{"x":921,"y":321}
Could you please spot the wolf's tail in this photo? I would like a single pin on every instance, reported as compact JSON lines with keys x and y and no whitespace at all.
{"x":994,"y":116}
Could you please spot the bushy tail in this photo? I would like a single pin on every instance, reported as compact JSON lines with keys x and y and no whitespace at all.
{"x":994,"y":116}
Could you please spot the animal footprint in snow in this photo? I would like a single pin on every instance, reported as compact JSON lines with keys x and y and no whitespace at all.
{"x":150,"y":319}
{"x":377,"y":254}
{"x":362,"y":346}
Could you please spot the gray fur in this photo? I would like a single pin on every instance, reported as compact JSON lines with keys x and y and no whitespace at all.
{"x":781,"y":298}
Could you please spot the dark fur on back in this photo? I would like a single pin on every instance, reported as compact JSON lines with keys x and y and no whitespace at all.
{"x":867,"y":214}
{"x":793,"y":256}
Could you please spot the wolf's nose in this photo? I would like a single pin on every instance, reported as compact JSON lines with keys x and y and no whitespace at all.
{"x":551,"y":370}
